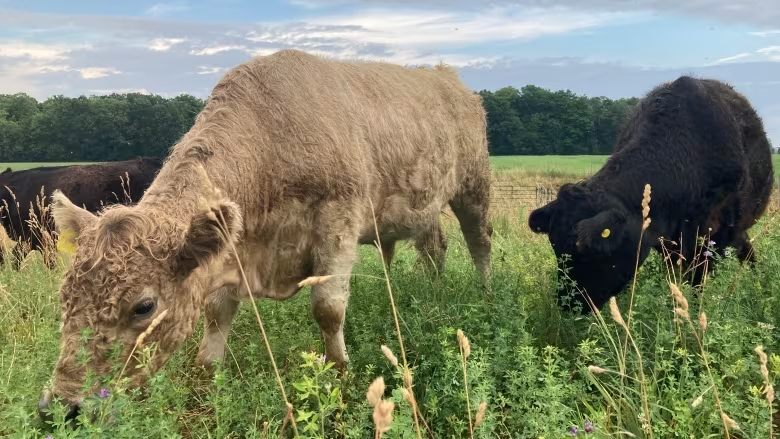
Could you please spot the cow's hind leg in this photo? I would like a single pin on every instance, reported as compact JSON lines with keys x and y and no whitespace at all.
{"x":472,"y":210}
{"x":431,"y":247}
{"x":221,"y":307}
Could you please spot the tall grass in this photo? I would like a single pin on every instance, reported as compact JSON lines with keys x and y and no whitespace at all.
{"x":512,"y":367}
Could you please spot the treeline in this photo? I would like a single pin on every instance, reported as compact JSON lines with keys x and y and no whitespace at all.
{"x":529,"y":121}
{"x":535,"y":121}
{"x":95,"y":128}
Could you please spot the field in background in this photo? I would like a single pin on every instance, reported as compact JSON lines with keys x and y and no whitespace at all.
{"x":563,"y":164}
{"x":23,"y":166}
{"x":529,"y":362}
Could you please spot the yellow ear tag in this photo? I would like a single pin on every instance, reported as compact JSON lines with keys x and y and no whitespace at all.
{"x":605,"y":233}
{"x":67,"y":242}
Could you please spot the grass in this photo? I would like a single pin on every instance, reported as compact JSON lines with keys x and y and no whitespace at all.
{"x":571,"y":165}
{"x":21,"y":166}
{"x":649,"y":366}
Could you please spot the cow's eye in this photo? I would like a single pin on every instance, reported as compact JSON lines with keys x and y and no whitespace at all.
{"x":144,"y":308}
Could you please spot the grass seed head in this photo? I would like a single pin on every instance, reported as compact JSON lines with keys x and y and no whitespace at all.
{"x":314,"y":280}
{"x":682,"y":302}
{"x":389,"y":355}
{"x":480,"y":414}
{"x":615,"y":312}
{"x":596,"y":370}
{"x":729,"y":422}
{"x":703,"y":321}
{"x":646,"y":202}
{"x":769,"y":388}
{"x":140,"y":340}
{"x":375,"y":391}
{"x":383,"y":416}
{"x":408,"y":378}
{"x":463,"y":341}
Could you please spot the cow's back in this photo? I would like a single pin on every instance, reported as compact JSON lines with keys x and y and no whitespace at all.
{"x":684,"y":139}
{"x":91,"y":186}
{"x":295,"y":126}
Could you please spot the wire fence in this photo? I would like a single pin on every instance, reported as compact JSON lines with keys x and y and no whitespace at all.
{"x":508,"y":195}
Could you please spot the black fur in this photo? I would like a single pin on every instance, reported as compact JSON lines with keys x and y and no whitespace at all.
{"x":91,"y":186}
{"x":702,"y":148}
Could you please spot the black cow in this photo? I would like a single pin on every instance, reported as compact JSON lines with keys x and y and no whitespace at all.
{"x":92,"y":186}
{"x":702,"y":148}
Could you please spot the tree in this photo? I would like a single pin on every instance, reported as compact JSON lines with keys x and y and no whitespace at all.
{"x":526,"y":121}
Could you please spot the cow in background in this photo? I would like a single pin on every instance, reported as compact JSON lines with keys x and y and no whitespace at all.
{"x":91,"y":186}
{"x":702,"y":148}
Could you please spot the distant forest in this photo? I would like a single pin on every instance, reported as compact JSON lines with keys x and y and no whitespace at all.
{"x":528,"y":121}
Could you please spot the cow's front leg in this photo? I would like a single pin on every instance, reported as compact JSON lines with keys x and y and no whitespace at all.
{"x":335,"y":255}
{"x":221,"y":307}
{"x":329,"y":306}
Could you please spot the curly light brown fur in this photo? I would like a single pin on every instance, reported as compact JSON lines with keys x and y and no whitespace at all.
{"x":291,"y":150}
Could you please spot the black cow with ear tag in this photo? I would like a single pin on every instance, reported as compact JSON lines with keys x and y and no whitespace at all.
{"x":702,"y":148}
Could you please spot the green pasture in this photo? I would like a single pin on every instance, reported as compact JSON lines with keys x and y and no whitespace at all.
{"x":571,"y":165}
{"x":540,"y":373}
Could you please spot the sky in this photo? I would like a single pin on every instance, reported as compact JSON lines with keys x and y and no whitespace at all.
{"x":612,"y":48}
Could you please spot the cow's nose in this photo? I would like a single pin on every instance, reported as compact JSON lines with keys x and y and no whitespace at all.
{"x":44,"y":407}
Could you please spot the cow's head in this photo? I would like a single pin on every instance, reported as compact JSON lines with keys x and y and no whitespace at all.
{"x":595,"y":238}
{"x":130,"y":265}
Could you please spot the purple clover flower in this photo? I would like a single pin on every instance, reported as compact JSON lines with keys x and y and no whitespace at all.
{"x":104,"y":393}
{"x":711,"y":243}
{"x":574,"y":431}
{"x":707,"y":253}
{"x":589,"y":427}
{"x":49,"y":437}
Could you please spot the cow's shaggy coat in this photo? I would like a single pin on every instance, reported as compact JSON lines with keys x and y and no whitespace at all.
{"x":90,"y":186}
{"x":297,"y":149}
{"x":702,"y":148}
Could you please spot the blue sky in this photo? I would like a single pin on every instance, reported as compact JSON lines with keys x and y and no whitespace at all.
{"x":611,"y":48}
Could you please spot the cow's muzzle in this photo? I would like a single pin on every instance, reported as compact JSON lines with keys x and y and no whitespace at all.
{"x":44,"y":407}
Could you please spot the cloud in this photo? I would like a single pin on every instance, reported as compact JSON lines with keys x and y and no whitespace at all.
{"x":162,"y":9}
{"x":163,"y":44}
{"x":772,"y":52}
{"x":734,"y":58}
{"x":119,"y":91}
{"x":758,"y":12}
{"x":35,"y":51}
{"x":425,"y":29}
{"x":97,"y":72}
{"x":205,"y":70}
{"x":767,"y":33}
{"x":217,"y":49}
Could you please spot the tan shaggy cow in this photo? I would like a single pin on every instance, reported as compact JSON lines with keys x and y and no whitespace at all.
{"x":291,"y":150}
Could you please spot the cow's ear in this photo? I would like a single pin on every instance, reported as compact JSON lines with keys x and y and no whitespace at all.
{"x":69,"y":219}
{"x":539,"y":220}
{"x":602,"y":232}
{"x":215,"y":229}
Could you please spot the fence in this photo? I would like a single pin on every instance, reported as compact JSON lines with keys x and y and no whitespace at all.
{"x":508,"y":195}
